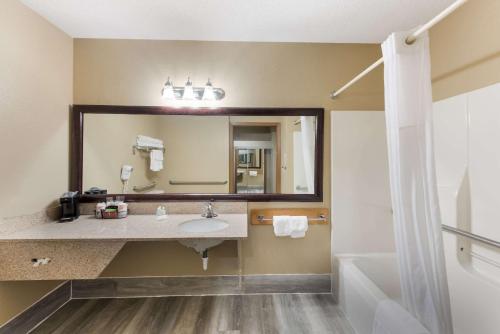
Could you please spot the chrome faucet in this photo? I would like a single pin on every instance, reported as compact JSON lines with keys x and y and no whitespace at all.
{"x":209,"y":211}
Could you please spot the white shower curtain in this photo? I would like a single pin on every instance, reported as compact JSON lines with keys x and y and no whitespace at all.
{"x":308,"y":136}
{"x":417,"y":224}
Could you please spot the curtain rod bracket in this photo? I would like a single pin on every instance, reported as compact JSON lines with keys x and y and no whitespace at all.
{"x":410,"y":40}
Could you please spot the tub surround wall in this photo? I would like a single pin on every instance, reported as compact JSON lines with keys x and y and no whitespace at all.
{"x":361,"y":199}
{"x":466,"y":126}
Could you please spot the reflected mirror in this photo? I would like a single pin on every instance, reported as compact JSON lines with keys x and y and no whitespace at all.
{"x":148,"y":155}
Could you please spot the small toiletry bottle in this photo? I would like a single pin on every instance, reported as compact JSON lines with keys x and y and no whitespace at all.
{"x":98,"y":209}
{"x":161,"y":213}
{"x":122,"y":210}
{"x":109,"y":201}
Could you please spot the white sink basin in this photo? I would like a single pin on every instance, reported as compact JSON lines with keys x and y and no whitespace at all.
{"x":203,"y":225}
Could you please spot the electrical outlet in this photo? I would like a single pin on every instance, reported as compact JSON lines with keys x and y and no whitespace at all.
{"x":40,"y":261}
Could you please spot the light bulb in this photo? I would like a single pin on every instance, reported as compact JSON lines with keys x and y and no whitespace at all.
{"x":208,"y":92}
{"x":168,"y":91}
{"x":188,"y":91}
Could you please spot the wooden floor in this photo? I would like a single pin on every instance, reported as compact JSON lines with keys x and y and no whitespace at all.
{"x":279,"y":313}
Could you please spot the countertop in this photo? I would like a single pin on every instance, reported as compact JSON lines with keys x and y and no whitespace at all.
{"x":132,"y":228}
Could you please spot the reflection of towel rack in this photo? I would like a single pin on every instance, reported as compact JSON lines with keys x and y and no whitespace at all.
{"x":146,"y":187}
{"x":301,"y":188}
{"x":147,"y":148}
{"x":191,"y":183}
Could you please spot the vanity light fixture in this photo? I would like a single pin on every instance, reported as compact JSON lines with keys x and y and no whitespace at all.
{"x":190,"y":92}
{"x":208,"y":92}
{"x":168,"y":90}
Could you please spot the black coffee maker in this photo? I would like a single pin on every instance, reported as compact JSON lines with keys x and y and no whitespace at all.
{"x":70,"y":206}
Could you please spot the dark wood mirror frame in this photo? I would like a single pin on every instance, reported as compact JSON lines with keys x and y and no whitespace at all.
{"x":76,"y":163}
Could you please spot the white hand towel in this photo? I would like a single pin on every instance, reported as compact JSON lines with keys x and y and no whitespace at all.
{"x":298,"y":226}
{"x":156,"y":160}
{"x":157,"y":155}
{"x":281,"y":226}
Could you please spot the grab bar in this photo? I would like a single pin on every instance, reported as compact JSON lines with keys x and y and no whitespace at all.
{"x":472,"y":236}
{"x":146,"y":187}
{"x":201,"y":183}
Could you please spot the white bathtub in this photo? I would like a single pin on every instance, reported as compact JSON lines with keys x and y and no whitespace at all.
{"x":362,"y":282}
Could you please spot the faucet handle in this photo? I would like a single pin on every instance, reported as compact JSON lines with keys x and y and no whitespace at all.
{"x":209,"y":210}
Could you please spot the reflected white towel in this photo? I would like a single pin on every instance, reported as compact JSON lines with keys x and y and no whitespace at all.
{"x":156,"y":160}
{"x":281,"y":225}
{"x":392,"y":318}
{"x":298,"y":226}
{"x":146,"y":141}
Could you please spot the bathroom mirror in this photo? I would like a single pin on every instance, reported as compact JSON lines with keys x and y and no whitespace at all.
{"x":161,"y":153}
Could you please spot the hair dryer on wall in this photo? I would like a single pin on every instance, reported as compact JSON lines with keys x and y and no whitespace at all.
{"x":125,"y":174}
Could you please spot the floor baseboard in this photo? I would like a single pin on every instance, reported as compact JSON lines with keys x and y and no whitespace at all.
{"x":200,"y":286}
{"x":39,"y":311}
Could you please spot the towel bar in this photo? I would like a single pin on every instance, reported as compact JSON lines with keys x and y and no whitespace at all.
{"x":147,"y":148}
{"x":315,"y":216}
{"x":201,"y":183}
{"x":320,"y":218}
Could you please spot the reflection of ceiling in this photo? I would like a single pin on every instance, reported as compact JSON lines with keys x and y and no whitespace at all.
{"x":325,"y":21}
{"x":253,"y":133}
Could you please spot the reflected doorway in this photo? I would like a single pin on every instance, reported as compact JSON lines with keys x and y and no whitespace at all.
{"x":255,"y":161}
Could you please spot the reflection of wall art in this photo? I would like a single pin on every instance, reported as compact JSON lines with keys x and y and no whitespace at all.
{"x":249,"y":158}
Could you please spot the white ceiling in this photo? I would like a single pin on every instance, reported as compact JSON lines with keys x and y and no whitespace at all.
{"x":329,"y":21}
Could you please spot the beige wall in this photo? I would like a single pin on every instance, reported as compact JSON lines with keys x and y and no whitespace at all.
{"x":35,"y":92}
{"x":465,"y":49}
{"x":197,"y":149}
{"x":132,"y":72}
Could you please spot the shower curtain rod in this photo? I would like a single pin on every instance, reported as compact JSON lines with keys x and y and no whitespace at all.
{"x":409,"y":40}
